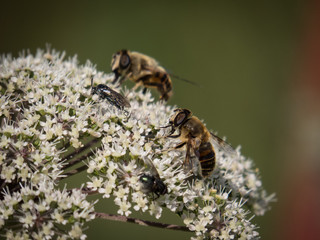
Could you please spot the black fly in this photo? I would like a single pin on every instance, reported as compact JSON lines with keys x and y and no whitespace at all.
{"x":151,"y":183}
{"x":113,"y":97}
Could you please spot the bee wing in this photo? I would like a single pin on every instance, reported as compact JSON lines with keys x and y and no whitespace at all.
{"x":223,"y":145}
{"x":153,"y":169}
{"x":116,"y":97}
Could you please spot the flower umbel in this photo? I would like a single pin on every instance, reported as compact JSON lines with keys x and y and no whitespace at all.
{"x":51,"y":123}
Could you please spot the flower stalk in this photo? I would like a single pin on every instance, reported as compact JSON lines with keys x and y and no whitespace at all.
{"x":120,"y":218}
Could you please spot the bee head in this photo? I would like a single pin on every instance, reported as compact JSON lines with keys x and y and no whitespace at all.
{"x":181,"y":116}
{"x":120,"y":63}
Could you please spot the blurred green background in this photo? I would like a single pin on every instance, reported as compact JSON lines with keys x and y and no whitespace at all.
{"x":241,"y":52}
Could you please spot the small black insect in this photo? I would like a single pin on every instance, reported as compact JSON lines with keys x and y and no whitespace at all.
{"x":151,"y":183}
{"x":113,"y":97}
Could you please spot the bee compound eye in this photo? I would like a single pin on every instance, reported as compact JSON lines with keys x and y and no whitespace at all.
{"x":179,"y":118}
{"x":124,"y":60}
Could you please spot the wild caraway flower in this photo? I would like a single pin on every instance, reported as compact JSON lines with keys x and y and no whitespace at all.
{"x":50,"y":122}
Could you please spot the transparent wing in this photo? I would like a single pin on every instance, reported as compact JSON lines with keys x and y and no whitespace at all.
{"x":117,"y":97}
{"x":222,"y":145}
{"x":153,"y":169}
{"x":122,"y":101}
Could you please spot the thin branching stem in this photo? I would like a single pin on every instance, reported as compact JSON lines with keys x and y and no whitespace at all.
{"x":142,"y":222}
{"x":80,"y":159}
{"x":79,"y":151}
{"x":74,"y":171}
{"x":85,"y":190}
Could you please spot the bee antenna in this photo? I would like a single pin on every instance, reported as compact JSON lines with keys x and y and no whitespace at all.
{"x":165,"y":126}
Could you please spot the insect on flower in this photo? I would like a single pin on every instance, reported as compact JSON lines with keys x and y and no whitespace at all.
{"x":151,"y":183}
{"x":113,"y":97}
{"x":143,"y":70}
{"x":197,"y":138}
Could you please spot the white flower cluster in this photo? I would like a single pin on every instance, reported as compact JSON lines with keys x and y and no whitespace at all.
{"x":34,"y":211}
{"x":50,"y":121}
{"x":38,"y":125}
{"x":238,"y":175}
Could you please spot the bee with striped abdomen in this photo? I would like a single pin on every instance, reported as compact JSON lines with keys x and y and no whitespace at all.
{"x":143,"y":70}
{"x":197,"y":139}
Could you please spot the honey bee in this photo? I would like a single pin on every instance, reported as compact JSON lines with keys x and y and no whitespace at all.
{"x":143,"y":70}
{"x":197,"y":138}
{"x":113,"y":97}
{"x":151,"y":183}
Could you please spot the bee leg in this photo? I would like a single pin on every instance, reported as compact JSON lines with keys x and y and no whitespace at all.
{"x":121,"y":80}
{"x":164,"y":97}
{"x":159,"y":86}
{"x":165,"y":87}
{"x":157,"y":196}
{"x":151,"y":84}
{"x":138,"y":84}
{"x":180,"y":145}
{"x":195,"y":145}
{"x":187,"y":159}
{"x":172,"y":131}
{"x":174,"y":136}
{"x":118,"y":80}
{"x":144,"y":90}
{"x":165,"y":93}
{"x":143,"y":80}
{"x":116,"y":77}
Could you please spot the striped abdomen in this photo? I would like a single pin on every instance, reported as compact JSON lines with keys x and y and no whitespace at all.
{"x":166,"y":84}
{"x":161,"y":81}
{"x":207,"y":158}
